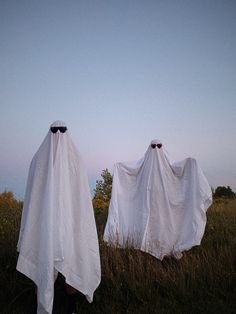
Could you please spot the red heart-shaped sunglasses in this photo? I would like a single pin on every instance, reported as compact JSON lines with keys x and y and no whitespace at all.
{"x":156,"y":145}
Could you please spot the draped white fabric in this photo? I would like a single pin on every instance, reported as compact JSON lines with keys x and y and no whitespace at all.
{"x":58,"y":231}
{"x":158,"y":206}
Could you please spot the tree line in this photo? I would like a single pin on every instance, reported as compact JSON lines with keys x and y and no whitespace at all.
{"x":102,"y":191}
{"x":102,"y":194}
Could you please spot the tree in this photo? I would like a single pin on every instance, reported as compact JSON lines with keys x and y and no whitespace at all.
{"x":8,"y":201}
{"x":102,"y":191}
{"x":222,"y":191}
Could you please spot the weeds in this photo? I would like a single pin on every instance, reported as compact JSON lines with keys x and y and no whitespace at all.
{"x":203,"y":281}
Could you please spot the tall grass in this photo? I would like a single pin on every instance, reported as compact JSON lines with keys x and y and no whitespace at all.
{"x":203,"y":281}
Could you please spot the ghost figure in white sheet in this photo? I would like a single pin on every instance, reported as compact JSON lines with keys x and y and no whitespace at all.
{"x":58,"y":231}
{"x":158,"y":206}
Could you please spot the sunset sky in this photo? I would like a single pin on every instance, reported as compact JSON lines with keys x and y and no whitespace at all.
{"x":119,"y":73}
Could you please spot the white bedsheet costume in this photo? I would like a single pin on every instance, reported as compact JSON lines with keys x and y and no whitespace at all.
{"x":58,"y":231}
{"x":158,"y":206}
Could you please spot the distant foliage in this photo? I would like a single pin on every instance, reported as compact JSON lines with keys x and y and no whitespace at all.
{"x":8,"y":201}
{"x":222,"y":191}
{"x":10,"y":213}
{"x":102,"y":191}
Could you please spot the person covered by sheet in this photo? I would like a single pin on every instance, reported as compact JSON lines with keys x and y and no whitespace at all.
{"x":58,"y":231}
{"x":157,"y":205}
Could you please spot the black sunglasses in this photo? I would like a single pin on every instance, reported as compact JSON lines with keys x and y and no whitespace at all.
{"x":62,"y":129}
{"x":156,"y":145}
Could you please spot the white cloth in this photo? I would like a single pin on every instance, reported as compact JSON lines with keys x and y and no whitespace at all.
{"x":58,"y":231}
{"x":157,"y":206}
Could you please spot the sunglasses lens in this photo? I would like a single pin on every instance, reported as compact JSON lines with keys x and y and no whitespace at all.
{"x":159,"y":145}
{"x":153,"y":145}
{"x":54,"y":129}
{"x":62,"y":129}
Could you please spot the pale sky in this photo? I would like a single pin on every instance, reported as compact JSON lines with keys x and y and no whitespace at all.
{"x":119,"y":73}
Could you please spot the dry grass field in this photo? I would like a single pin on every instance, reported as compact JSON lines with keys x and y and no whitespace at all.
{"x":203,"y":281}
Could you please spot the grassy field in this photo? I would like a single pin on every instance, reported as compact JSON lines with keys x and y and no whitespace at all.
{"x":203,"y":281}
